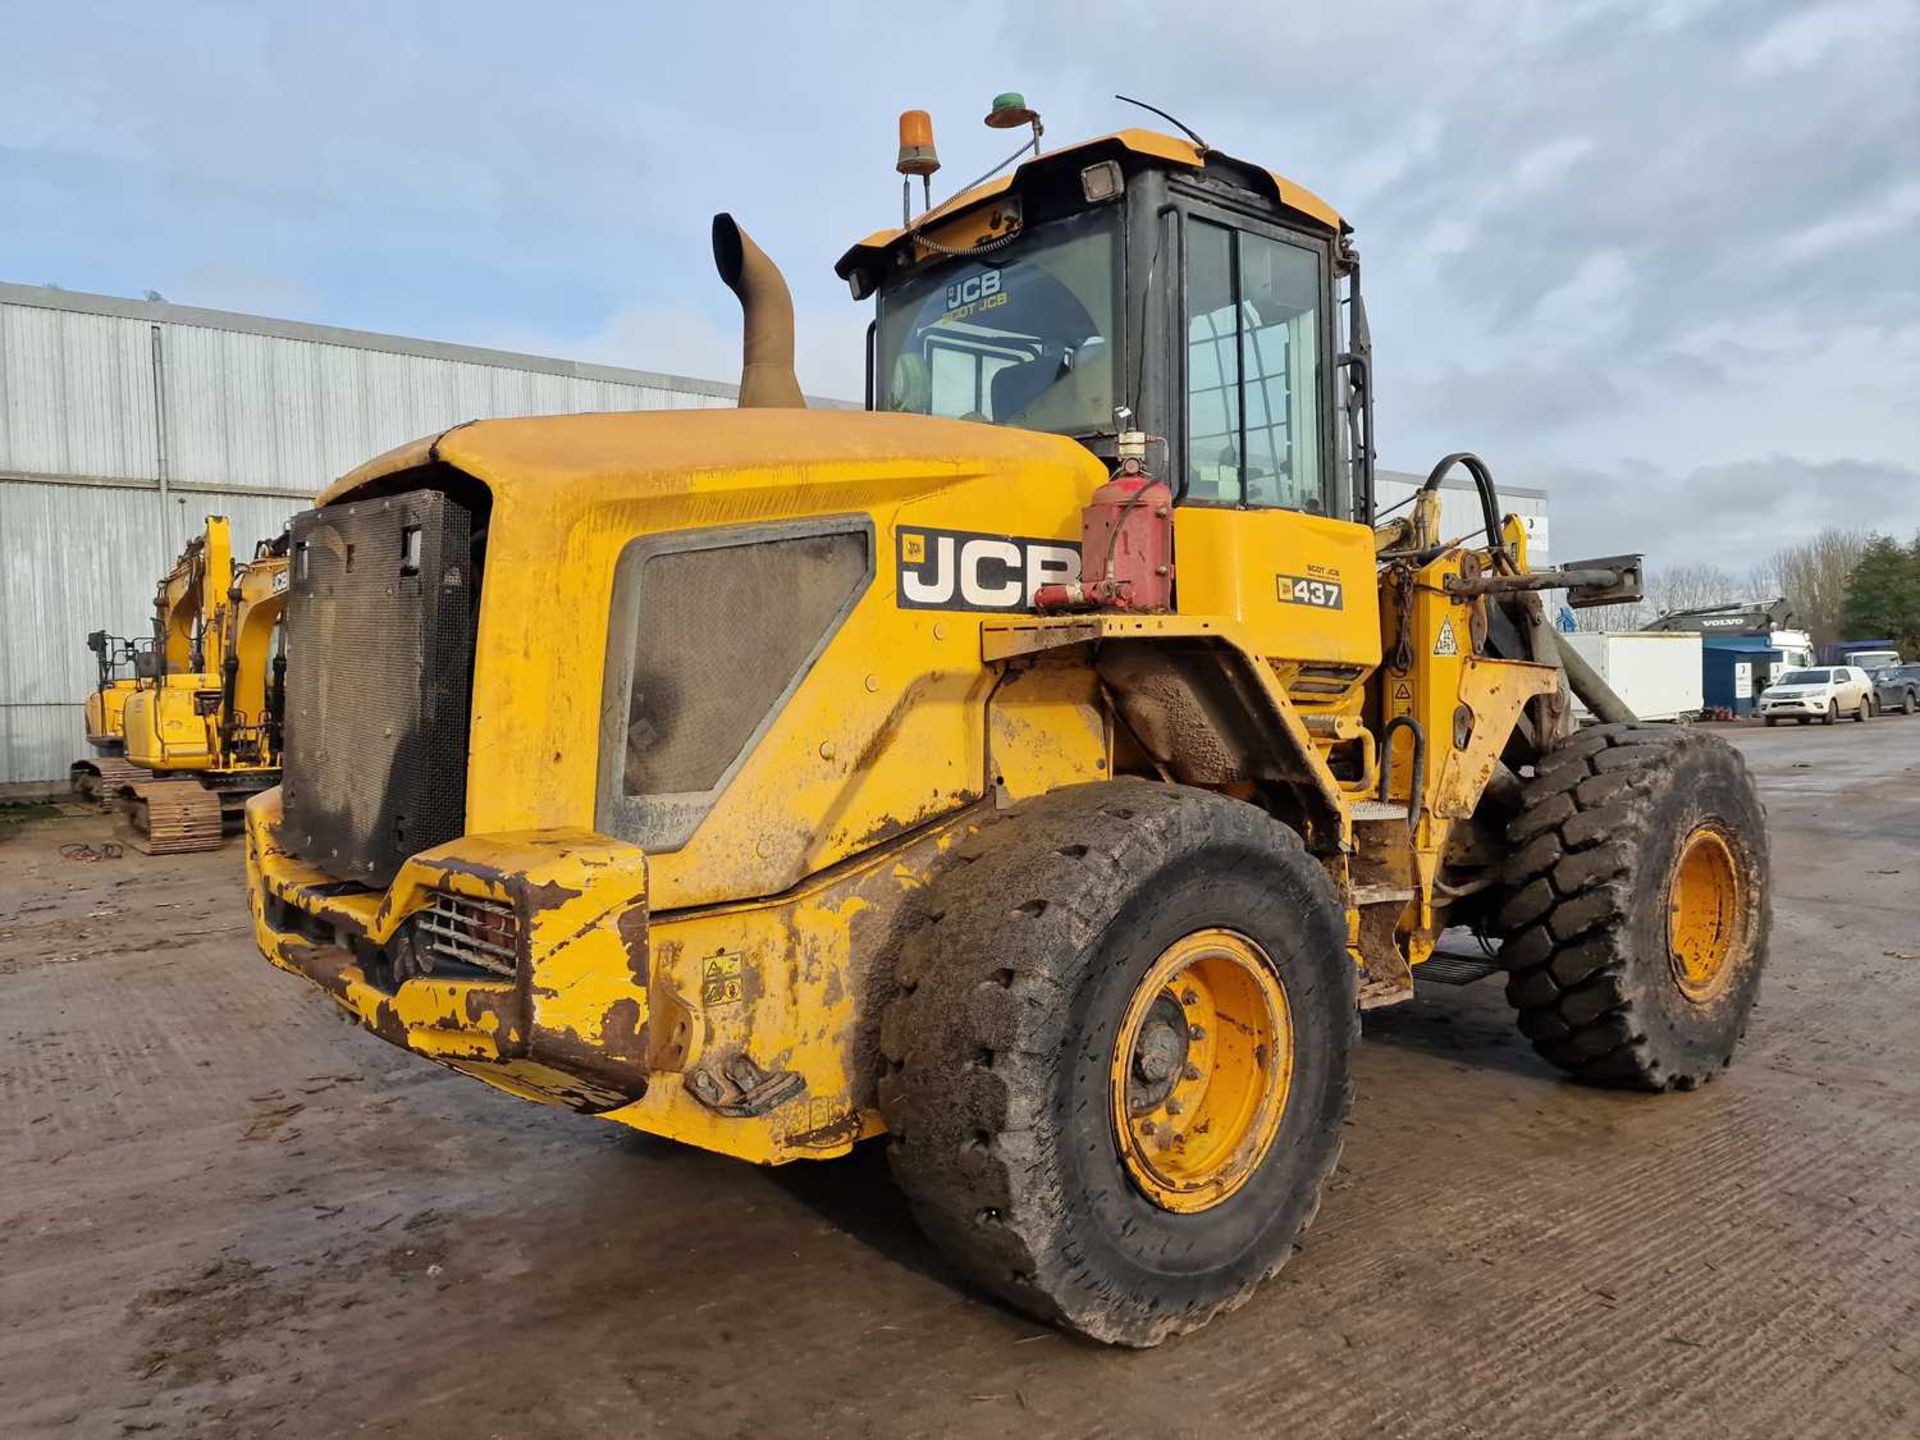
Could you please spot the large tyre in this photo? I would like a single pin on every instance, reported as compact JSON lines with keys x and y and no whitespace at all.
{"x":1833,"y":712}
{"x":1637,"y":906}
{"x":1117,"y":1067}
{"x":1866,"y":709}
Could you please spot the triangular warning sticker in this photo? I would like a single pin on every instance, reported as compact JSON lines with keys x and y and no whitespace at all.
{"x":1403,"y":693}
{"x":1446,"y":644}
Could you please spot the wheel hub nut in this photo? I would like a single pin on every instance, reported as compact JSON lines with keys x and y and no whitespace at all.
{"x":1159,"y":1055}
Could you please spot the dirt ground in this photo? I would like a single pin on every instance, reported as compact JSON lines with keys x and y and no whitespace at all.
{"x":224,"y":1212}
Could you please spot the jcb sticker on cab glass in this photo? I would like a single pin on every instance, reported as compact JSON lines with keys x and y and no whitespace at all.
{"x":983,"y":286}
{"x":963,"y":570}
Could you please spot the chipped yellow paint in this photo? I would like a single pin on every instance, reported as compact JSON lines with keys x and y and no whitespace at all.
{"x":810,"y":1005}
{"x":1232,"y":564}
{"x":804,"y":1005}
{"x":1009,"y":639}
{"x":1493,"y":693}
{"x":1047,"y":727}
{"x":886,"y":731}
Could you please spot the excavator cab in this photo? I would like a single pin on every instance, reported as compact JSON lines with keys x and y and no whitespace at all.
{"x":120,"y":664}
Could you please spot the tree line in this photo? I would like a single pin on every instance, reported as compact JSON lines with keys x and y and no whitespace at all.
{"x":1840,"y":585}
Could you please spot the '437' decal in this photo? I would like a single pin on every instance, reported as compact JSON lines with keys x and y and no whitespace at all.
{"x":1301,"y":590}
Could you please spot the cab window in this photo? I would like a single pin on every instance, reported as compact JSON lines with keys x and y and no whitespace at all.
{"x":1253,"y":371}
{"x":1022,"y":336}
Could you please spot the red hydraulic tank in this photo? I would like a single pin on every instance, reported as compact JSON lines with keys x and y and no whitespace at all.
{"x":1126,"y":548}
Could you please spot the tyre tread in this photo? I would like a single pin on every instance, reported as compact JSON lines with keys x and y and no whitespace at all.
{"x":965,"y":1089}
{"x":1565,"y":914}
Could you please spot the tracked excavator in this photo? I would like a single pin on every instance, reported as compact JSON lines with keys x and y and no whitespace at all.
{"x":202,"y":726}
{"x":120,"y":663}
{"x":1042,"y":770}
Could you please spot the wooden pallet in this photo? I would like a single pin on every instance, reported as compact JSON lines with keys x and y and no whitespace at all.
{"x":172,"y":817}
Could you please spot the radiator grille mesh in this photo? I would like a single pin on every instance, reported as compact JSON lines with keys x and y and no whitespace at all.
{"x":722,"y":633}
{"x":379,"y":631}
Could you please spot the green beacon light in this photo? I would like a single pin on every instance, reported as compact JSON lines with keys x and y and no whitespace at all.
{"x":1010,"y":112}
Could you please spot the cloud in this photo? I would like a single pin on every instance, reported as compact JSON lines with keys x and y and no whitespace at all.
{"x":1594,"y":229}
{"x":828,"y":345}
{"x":236,"y":283}
{"x":1731,"y":514}
{"x":1807,"y":36}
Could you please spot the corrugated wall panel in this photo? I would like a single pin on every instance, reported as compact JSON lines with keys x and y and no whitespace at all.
{"x":39,"y":742}
{"x":265,"y":410}
{"x":77,"y":558}
{"x":76,"y":394}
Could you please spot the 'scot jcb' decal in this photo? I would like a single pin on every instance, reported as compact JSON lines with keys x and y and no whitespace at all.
{"x":966,"y":570}
{"x":1304,"y":590}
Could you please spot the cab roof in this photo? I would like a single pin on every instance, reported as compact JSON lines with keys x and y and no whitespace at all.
{"x":1148,"y":145}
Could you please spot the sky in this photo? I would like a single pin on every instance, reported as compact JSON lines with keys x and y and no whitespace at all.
{"x":1661,"y":257}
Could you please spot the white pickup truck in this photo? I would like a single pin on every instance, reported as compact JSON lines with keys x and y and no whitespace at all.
{"x":1824,"y":693}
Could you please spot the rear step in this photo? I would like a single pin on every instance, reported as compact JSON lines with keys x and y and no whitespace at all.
{"x":1447,"y":968}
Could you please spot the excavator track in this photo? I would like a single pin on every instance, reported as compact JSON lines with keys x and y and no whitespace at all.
{"x":103,"y":777}
{"x":172,"y":817}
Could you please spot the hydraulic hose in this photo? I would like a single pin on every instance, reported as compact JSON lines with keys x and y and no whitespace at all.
{"x":1489,"y":497}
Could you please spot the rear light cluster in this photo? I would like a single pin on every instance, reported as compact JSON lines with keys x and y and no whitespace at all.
{"x":468,"y":932}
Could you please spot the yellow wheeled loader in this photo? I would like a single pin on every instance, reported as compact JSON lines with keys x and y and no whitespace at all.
{"x":1042,"y":770}
{"x":202,"y":724}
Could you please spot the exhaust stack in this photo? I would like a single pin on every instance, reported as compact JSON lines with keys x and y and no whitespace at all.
{"x":767,"y":380}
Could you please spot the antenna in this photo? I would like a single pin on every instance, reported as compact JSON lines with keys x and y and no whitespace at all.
{"x":1181,"y":126}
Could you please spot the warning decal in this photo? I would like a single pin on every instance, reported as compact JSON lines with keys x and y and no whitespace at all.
{"x":720,"y":980}
{"x":1446,"y":644}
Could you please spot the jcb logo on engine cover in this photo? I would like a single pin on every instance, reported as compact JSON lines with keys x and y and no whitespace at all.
{"x":962,"y":570}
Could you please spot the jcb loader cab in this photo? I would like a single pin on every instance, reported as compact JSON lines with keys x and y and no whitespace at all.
{"x":1042,"y":769}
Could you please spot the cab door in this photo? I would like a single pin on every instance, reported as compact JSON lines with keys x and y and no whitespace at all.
{"x":1256,"y":470}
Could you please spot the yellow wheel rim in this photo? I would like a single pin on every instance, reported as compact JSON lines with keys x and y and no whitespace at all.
{"x":1201,"y":1069}
{"x":1704,"y":914}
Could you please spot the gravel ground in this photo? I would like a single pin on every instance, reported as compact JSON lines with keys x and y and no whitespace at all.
{"x":224,"y":1212}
